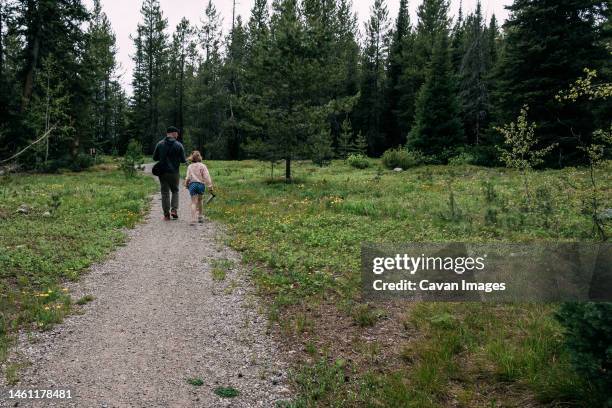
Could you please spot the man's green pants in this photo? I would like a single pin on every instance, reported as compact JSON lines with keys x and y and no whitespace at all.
{"x":169,"y":184}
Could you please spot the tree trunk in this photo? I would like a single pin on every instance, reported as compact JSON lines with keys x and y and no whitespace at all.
{"x":29,"y":78}
{"x":288,"y":170}
{"x":107,"y":114}
{"x":1,"y":40}
{"x":181,"y":95}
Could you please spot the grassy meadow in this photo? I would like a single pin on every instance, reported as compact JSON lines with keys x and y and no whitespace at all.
{"x":66,"y":222}
{"x":304,"y":240}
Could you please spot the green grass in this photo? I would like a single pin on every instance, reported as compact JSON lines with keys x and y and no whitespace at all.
{"x":365,"y":315}
{"x":220,"y":268}
{"x":85,"y":299}
{"x":196,"y":382}
{"x":73,"y":220}
{"x":227,"y":392}
{"x":306,"y":239}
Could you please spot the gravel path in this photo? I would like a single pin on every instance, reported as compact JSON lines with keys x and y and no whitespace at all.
{"x":159,"y":318}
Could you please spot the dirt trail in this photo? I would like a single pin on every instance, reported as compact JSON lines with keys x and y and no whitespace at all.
{"x":159,"y":318}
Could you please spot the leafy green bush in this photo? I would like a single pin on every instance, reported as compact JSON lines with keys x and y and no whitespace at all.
{"x":81,"y":162}
{"x":403,"y":158}
{"x":132,"y":158}
{"x":359,"y":161}
{"x":462,"y":159}
{"x":77,"y":163}
{"x":588,"y":334}
{"x":54,"y":166}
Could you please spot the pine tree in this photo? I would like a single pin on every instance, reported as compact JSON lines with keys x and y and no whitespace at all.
{"x":540,"y":59}
{"x":48,"y":28}
{"x":150,"y":65}
{"x":361,"y":144}
{"x":293,"y":115}
{"x":208,"y":97}
{"x":119,"y":119}
{"x":437,"y":130}
{"x":458,"y":38}
{"x":331,"y":30}
{"x":474,"y":72}
{"x":371,"y":106}
{"x":181,"y":70}
{"x":400,"y":45}
{"x":3,"y":14}
{"x":320,"y":31}
{"x":4,"y":85}
{"x":346,"y":145}
{"x":49,"y":110}
{"x":432,"y":19}
{"x":347,"y":49}
{"x":257,"y":42}
{"x":255,"y":71}
{"x":234,"y":68}
{"x":493,"y":41}
{"x":99,"y":67}
{"x":321,"y":149}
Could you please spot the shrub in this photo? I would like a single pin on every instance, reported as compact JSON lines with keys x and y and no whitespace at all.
{"x":484,"y":156}
{"x":81,"y":162}
{"x":462,"y":159}
{"x":77,"y":163}
{"x":404,"y":158}
{"x":132,"y":158}
{"x":358,"y":161}
{"x":588,"y":330}
{"x":54,"y":165}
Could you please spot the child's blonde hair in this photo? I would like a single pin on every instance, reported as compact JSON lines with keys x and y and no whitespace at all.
{"x":196,"y":157}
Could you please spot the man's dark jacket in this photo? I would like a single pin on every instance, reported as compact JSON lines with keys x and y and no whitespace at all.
{"x":173,"y":154}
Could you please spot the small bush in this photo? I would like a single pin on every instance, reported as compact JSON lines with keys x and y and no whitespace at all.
{"x":77,"y":163}
{"x":366,"y":316}
{"x":462,"y":159}
{"x":81,"y":162}
{"x":196,"y":382}
{"x":132,"y":158}
{"x":358,"y":161}
{"x":403,"y":158}
{"x":487,"y":156}
{"x":85,"y":299}
{"x":54,"y":166}
{"x":588,"y":330}
{"x":227,"y":392}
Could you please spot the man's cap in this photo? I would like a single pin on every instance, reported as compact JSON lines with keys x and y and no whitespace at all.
{"x":172,"y":129}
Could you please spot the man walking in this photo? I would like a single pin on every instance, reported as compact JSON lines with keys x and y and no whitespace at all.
{"x":170,"y":154}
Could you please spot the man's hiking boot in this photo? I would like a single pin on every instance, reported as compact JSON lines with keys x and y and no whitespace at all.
{"x":174,"y":214}
{"x":166,"y":217}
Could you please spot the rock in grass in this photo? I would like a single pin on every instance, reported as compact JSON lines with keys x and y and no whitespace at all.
{"x":23,"y":209}
{"x":605,"y":215}
{"x":47,"y":214}
{"x":398,"y":169}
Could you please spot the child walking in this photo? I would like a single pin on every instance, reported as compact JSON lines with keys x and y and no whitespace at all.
{"x":197,"y":182}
